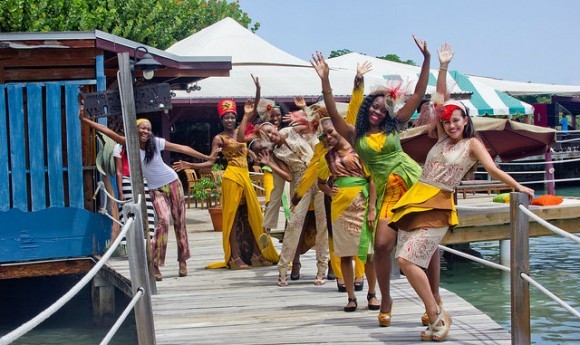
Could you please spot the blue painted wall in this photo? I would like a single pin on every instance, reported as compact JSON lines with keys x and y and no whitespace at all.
{"x":42,"y":212}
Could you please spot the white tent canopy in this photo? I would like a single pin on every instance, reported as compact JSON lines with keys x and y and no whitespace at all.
{"x":484,"y":100}
{"x":522,"y":88}
{"x":281,"y":75}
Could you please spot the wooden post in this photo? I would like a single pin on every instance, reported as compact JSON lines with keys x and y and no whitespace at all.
{"x":519,"y":263}
{"x":103,"y":300}
{"x":550,"y":186}
{"x":136,"y":243}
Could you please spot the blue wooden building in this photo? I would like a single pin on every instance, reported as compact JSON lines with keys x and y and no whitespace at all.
{"x":47,"y":173}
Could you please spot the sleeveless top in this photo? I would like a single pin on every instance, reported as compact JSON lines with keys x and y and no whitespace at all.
{"x":447,"y":163}
{"x":296,"y":153}
{"x":235,"y":152}
{"x":348,"y":165}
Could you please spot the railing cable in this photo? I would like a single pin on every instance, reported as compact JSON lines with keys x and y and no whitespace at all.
{"x":475,"y":258}
{"x":45,"y":314}
{"x":549,"y":226}
{"x":122,"y":318}
{"x":549,"y":294}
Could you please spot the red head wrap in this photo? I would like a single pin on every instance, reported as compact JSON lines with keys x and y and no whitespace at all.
{"x":226,"y":106}
{"x":449,"y":107}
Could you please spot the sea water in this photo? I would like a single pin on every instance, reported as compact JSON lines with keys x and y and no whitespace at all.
{"x":554,"y":263}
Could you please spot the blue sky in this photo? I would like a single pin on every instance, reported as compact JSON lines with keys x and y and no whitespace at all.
{"x":537,"y":41}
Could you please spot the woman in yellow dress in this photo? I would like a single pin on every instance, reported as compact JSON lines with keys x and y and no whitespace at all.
{"x":243,"y":245}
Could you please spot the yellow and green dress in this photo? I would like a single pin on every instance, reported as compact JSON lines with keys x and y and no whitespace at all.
{"x":351,"y":237}
{"x":392,"y":170}
{"x":240,"y":207}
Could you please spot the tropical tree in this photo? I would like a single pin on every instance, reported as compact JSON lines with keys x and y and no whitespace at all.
{"x":158,"y":23}
{"x":396,"y":58}
{"x":336,"y":53}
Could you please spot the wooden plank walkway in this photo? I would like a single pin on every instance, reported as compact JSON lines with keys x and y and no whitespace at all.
{"x":247,"y":307}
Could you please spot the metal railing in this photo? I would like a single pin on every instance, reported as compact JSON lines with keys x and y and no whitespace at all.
{"x":132,"y":221}
{"x":519,"y":271}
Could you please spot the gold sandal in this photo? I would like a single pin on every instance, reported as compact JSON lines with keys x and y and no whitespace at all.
{"x":258,"y":261}
{"x":385,"y":319}
{"x":238,"y":264}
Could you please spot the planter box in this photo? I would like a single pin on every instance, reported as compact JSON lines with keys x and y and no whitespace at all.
{"x":216,"y":217}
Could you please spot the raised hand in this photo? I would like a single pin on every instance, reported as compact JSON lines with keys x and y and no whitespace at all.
{"x":445,"y":54}
{"x":256,"y":81}
{"x":264,"y":157}
{"x":320,"y":65}
{"x":362,"y":69}
{"x":422,"y":46}
{"x":249,"y":106}
{"x":300,"y":102}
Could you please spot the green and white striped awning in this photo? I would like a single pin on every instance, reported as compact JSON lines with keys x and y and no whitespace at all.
{"x":484,"y":99}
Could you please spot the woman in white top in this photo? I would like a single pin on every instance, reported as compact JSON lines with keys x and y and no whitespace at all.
{"x":165,"y":189}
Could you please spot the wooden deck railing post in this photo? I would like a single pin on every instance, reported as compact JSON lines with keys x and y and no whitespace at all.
{"x":139,"y":267}
{"x":519,"y":263}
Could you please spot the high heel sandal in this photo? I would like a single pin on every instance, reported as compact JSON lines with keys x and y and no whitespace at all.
{"x":435,"y":332}
{"x":384,"y":319}
{"x":259,"y":261}
{"x":340,"y":287}
{"x":238,"y":264}
{"x":425,"y":317}
{"x":320,"y":279}
{"x":370,"y":296}
{"x":282,"y":280}
{"x":293,"y":275}
{"x":351,"y":309}
{"x":359,"y":286}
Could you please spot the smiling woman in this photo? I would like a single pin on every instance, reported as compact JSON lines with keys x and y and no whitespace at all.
{"x":164,"y":187}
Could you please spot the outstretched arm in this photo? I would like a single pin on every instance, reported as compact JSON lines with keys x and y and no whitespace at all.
{"x":357,"y":96}
{"x":186,"y":150}
{"x":216,"y":146}
{"x":249,"y":113}
{"x":479,"y":152}
{"x":445,"y":56}
{"x":100,"y":127}
{"x":405,"y":113}
{"x":322,"y":69}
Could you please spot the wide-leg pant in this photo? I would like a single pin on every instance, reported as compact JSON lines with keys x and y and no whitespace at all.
{"x":167,"y":200}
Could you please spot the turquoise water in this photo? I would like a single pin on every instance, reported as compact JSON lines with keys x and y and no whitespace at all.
{"x":554,"y":263}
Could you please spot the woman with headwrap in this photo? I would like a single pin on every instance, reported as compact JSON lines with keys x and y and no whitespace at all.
{"x":375,"y":137}
{"x":244,"y":241}
{"x":164,"y":187}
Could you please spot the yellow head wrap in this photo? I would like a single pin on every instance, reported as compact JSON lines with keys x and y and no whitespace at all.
{"x":139,"y":121}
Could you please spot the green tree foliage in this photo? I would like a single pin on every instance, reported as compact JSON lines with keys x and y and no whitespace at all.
{"x":336,"y":53}
{"x":535,"y":99}
{"x":396,"y":58}
{"x":158,"y":23}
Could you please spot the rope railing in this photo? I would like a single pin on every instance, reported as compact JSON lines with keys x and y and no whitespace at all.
{"x":520,"y":217}
{"x":123,"y":316}
{"x":550,"y":294}
{"x":42,"y":316}
{"x":475,"y":258}
{"x":549,"y":226}
{"x":560,"y":161}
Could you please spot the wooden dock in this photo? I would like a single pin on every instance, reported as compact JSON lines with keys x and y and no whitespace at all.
{"x":247,"y":307}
